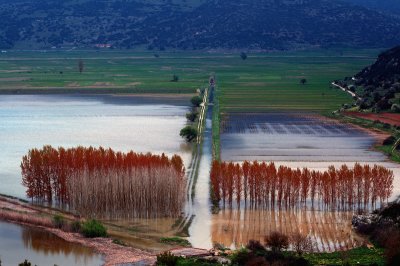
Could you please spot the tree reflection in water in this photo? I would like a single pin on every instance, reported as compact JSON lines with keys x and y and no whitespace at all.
{"x":329,"y":230}
{"x":49,"y":244}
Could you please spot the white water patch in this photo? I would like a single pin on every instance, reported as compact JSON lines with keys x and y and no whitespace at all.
{"x":126,"y":123}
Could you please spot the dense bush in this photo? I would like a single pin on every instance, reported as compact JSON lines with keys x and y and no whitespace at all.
{"x":58,"y":221}
{"x":196,"y":101}
{"x":167,"y":259}
{"x":389,"y":140}
{"x":93,"y":228}
{"x":277,"y":241}
{"x":189,"y":133}
{"x":192,"y":116}
{"x":76,"y":226}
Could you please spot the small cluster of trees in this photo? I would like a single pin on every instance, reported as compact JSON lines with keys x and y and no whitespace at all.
{"x":263,"y":185}
{"x":100,"y":182}
{"x":190,"y":132}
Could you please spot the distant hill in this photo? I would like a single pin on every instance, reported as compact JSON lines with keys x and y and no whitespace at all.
{"x":379,"y":84}
{"x":389,"y":6}
{"x":193,"y":24}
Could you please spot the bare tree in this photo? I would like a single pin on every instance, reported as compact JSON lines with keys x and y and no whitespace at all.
{"x":301,"y":243}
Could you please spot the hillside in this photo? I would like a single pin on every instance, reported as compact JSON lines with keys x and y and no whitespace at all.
{"x":379,"y":84}
{"x":193,"y":24}
{"x":388,"y":6}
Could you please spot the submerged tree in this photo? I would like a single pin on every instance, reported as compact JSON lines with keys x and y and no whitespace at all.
{"x":262,"y":185}
{"x":104,"y":183}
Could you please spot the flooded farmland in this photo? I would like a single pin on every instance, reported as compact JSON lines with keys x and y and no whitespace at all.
{"x":138,"y":123}
{"x":124,"y":123}
{"x":41,"y":248}
{"x":294,"y":140}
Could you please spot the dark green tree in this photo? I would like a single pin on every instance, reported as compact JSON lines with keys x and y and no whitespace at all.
{"x":196,"y":101}
{"x":189,"y":133}
{"x":80,"y":66}
{"x":175,"y":78}
{"x":192,"y":116}
{"x":303,"y":81}
{"x":243,"y":55}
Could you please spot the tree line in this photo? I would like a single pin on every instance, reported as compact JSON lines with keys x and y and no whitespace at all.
{"x":263,"y":185}
{"x":103,"y":183}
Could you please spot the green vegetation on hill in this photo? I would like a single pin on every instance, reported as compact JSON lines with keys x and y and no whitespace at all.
{"x":193,"y":24}
{"x":378,"y":85}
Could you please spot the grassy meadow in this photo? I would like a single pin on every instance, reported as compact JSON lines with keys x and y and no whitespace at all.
{"x":263,"y":82}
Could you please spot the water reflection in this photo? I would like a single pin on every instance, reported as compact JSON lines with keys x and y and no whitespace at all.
{"x":18,"y":243}
{"x":329,"y":230}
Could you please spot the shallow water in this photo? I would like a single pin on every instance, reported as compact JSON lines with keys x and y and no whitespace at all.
{"x":300,"y":140}
{"x":294,"y":140}
{"x":18,"y":243}
{"x":142,"y":124}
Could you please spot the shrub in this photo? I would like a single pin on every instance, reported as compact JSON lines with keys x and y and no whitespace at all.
{"x":175,"y":78}
{"x":389,"y":141}
{"x":93,"y":228}
{"x":191,"y":116}
{"x":175,"y":241}
{"x":167,"y":259}
{"x":76,"y":226}
{"x":25,"y":263}
{"x":277,"y":241}
{"x":255,"y":246}
{"x":189,"y":133}
{"x":241,"y":257}
{"x":196,"y":101}
{"x":243,"y":55}
{"x":301,"y":243}
{"x":58,"y":221}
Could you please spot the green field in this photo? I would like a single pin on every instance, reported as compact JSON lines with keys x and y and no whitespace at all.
{"x":263,"y":82}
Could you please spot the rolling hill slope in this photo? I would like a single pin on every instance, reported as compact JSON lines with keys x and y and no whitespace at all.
{"x":193,"y":24}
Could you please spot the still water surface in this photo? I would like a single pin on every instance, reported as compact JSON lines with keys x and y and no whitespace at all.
{"x":18,"y":243}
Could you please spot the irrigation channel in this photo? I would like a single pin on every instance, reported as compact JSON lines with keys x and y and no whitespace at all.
{"x":197,"y":209}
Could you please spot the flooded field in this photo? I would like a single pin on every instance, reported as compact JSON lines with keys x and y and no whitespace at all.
{"x":41,"y":248}
{"x":124,"y":123}
{"x":294,"y":140}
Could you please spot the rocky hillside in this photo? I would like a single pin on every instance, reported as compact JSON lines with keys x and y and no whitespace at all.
{"x":379,"y":84}
{"x":193,"y":24}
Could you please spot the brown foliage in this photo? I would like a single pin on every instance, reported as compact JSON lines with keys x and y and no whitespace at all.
{"x":264,"y":185}
{"x":103,"y":183}
{"x":277,"y":241}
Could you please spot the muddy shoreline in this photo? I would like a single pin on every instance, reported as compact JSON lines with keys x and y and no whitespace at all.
{"x":14,"y":211}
